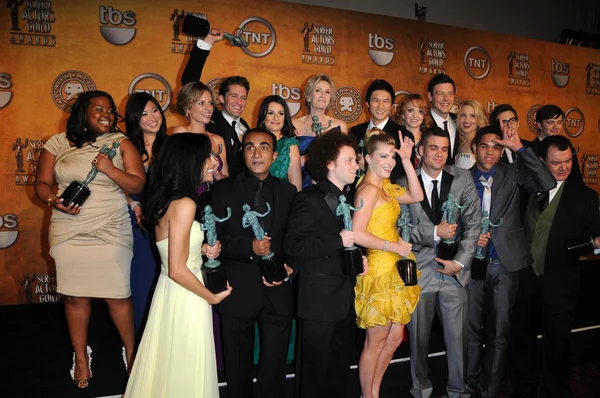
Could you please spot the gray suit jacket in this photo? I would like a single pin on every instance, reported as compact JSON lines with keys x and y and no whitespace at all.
{"x":460,"y":183}
{"x":530,"y":174}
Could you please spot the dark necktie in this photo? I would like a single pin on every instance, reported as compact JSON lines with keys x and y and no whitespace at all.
{"x":235,"y":138}
{"x":435,"y":200}
{"x":543,"y":201}
{"x":446,"y":127}
{"x":260,"y":203}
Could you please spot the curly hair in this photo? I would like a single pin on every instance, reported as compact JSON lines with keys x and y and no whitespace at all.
{"x":326,"y":149}
{"x":420,"y":103}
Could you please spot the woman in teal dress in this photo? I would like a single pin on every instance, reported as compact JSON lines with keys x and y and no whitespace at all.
{"x":274,"y":115}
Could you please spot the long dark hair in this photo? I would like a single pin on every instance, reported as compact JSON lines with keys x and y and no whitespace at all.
{"x":175,"y":174}
{"x":78,"y":129}
{"x":288,"y":129}
{"x":133,"y":114}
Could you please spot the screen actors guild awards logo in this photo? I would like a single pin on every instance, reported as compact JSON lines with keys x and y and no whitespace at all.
{"x":67,"y":86}
{"x":456,"y":104}
{"x":38,"y":17}
{"x":318,"y":45}
{"x":433,"y":54}
{"x":112,"y":29}
{"x":45,"y":289}
{"x":592,"y":82}
{"x":26,"y":283}
{"x":477,"y":62}
{"x":291,"y":95}
{"x":9,"y":222}
{"x":155,"y":85}
{"x":381,"y":49}
{"x":5,"y":84}
{"x":259,"y":34}
{"x":574,"y":122}
{"x":347,"y":104}
{"x":560,"y":73}
{"x":518,"y":69}
{"x":27,"y":154}
{"x":531,"y":124}
{"x":589,"y":167}
{"x":180,"y":42}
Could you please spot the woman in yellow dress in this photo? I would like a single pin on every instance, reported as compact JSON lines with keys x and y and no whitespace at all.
{"x":383,"y":303}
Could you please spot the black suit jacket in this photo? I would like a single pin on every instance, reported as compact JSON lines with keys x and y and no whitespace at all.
{"x":391,"y":128}
{"x":456,"y":139}
{"x":219,"y":125}
{"x":249,"y":294}
{"x":577,"y":217}
{"x":324,"y":292}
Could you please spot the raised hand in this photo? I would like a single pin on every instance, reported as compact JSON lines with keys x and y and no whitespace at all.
{"x":406,"y":147}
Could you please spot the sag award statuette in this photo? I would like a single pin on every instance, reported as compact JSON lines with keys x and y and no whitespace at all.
{"x":407,"y":268}
{"x":448,"y":248}
{"x":479,"y":263}
{"x":269,"y":267}
{"x":213,"y":273}
{"x":351,"y":256}
{"x":200,"y":27}
{"x":78,"y":192}
{"x":317,"y":128}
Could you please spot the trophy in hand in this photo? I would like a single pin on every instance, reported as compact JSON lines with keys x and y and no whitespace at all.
{"x":448,"y":248}
{"x":200,"y":27}
{"x":317,"y":127}
{"x":213,"y":273}
{"x":78,"y":192}
{"x":272,"y":270}
{"x":479,"y":263}
{"x":407,"y":267}
{"x":351,"y":256}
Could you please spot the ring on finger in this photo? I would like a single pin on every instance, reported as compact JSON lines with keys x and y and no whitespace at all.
{"x":95,"y":160}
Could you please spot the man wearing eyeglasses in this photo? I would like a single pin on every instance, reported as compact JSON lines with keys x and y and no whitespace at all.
{"x":548,"y":290}
{"x":505,"y":116}
{"x":499,"y":186}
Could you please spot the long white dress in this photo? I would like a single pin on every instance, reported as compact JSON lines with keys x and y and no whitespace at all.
{"x":176,"y":357}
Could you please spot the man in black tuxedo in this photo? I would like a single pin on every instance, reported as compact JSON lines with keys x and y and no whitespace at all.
{"x":548,"y":289}
{"x":233,"y":94}
{"x":500,"y":187}
{"x":315,"y":238}
{"x":254,"y":300}
{"x":379,"y":100}
{"x":440,"y":92}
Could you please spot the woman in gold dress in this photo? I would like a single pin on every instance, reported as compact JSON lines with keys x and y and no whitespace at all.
{"x":383,"y":303}
{"x":92,"y":245}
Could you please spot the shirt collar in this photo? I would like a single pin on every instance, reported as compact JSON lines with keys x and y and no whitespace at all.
{"x":478,"y":173}
{"x":427,"y":178}
{"x":380,"y":126}
{"x":439,"y":119}
{"x":253,"y":180}
{"x":230,"y":119}
{"x":334,"y":189}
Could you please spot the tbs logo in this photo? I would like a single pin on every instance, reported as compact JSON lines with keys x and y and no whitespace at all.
{"x":381,"y":49}
{"x":560,"y":73}
{"x":115,"y":33}
{"x":7,"y":238}
{"x":291,"y":95}
{"x":5,"y":84}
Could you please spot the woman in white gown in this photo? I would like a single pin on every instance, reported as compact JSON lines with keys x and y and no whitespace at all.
{"x":176,"y":357}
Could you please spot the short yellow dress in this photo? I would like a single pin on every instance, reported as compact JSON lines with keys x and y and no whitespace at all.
{"x":381,"y":296}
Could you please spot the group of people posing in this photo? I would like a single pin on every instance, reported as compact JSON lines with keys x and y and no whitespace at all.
{"x":138,"y":242}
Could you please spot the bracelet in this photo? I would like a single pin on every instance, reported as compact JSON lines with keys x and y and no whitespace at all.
{"x":385,"y":245}
{"x":51,"y":199}
{"x":133,"y":204}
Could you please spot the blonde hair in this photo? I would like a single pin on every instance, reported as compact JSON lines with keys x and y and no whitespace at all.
{"x":481,"y":115}
{"x":312,"y":82}
{"x":420,"y":103}
{"x":190,"y":93}
{"x":374,"y":137}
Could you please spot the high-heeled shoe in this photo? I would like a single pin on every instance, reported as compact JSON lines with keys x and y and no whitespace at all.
{"x":83,"y":383}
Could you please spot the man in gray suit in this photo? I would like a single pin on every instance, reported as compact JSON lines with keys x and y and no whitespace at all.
{"x":499,"y":186}
{"x":443,"y":282}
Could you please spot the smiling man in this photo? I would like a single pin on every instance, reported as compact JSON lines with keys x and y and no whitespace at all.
{"x":379,"y":100}
{"x":500,"y":187}
{"x":441,"y":91}
{"x":254,"y":300}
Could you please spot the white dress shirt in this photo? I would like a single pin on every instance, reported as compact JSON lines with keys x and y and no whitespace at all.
{"x":451,"y":128}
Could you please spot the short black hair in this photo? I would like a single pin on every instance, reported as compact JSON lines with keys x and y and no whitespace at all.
{"x":326,"y":149}
{"x":233,"y":80}
{"x":498,"y":110}
{"x":558,"y":141}
{"x":547,"y":112}
{"x":486,"y":130}
{"x":440,"y":78}
{"x":380,"y":85}
{"x":434,"y":131}
{"x":263,"y":131}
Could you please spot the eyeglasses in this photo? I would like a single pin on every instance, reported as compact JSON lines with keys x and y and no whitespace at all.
{"x":512,"y":120}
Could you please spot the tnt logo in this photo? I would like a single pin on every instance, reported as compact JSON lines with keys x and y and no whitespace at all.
{"x":117,"y":34}
{"x":477,"y":62}
{"x":291,"y":95}
{"x":381,"y":49}
{"x":155,"y":85}
{"x":259,"y":34}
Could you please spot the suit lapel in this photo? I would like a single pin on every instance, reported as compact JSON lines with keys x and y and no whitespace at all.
{"x":446,"y":185}
{"x":425,"y":204}
{"x":330,"y":201}
{"x":391,"y":129}
{"x":497,"y":202}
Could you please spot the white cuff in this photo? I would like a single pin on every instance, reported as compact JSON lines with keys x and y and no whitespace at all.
{"x":459,"y":263}
{"x":202,"y":45}
{"x":436,"y":238}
